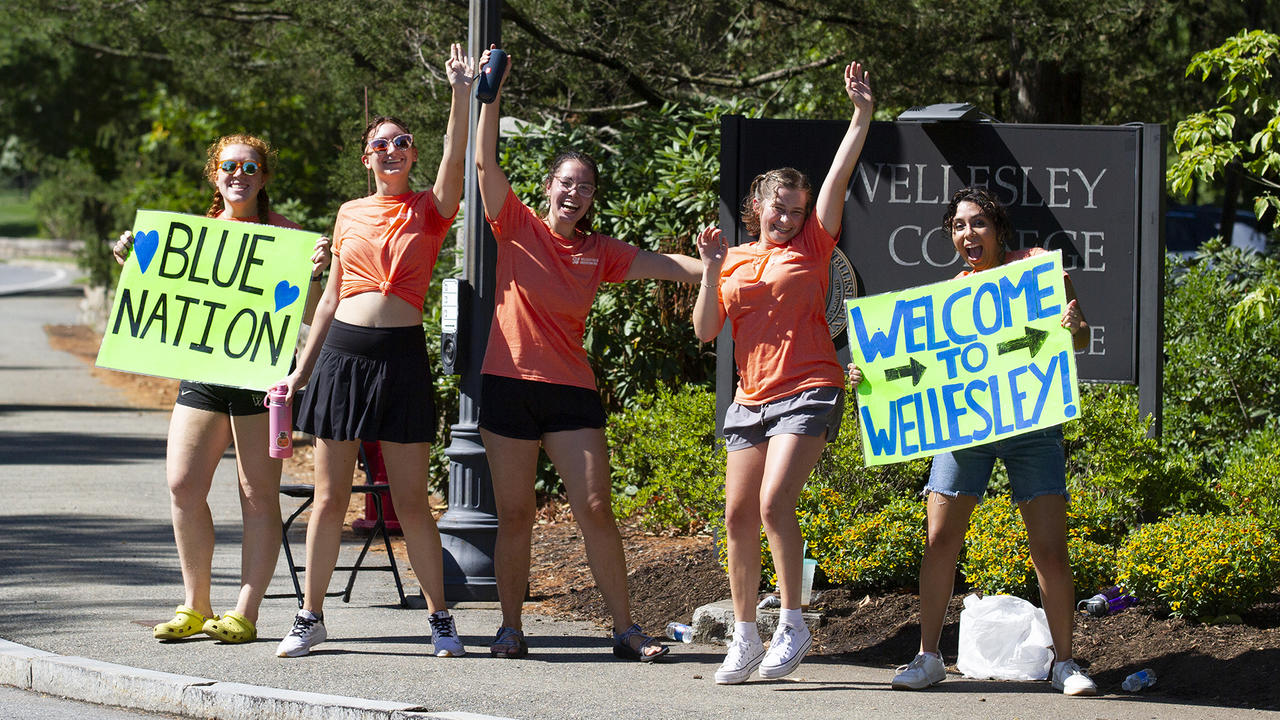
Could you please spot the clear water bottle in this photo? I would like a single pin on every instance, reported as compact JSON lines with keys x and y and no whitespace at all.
{"x":1139,"y":680}
{"x":680,"y":631}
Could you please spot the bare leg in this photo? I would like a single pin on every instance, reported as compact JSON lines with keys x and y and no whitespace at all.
{"x":789,"y":461}
{"x":408,"y":472}
{"x":335,"y":467}
{"x":197,"y":440}
{"x":1046,"y":520}
{"x":513,"y":465}
{"x":582,"y":459}
{"x":744,"y":471}
{"x":948,"y":521}
{"x":259,"y":510}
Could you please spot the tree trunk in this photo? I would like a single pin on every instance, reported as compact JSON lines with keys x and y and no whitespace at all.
{"x":1041,"y":91}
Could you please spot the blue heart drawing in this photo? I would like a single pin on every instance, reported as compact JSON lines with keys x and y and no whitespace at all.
{"x":286,"y":294}
{"x":145,"y":244}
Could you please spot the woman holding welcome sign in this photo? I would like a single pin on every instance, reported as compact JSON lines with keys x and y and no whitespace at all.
{"x":372,"y":377}
{"x":791,"y":389}
{"x":206,"y":418}
{"x":980,"y":231}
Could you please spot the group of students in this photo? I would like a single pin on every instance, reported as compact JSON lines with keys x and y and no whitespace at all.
{"x":367,"y":377}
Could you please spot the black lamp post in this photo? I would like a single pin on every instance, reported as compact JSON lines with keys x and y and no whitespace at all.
{"x":470,"y":526}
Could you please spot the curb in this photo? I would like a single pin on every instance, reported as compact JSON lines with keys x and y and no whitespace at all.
{"x":104,"y":683}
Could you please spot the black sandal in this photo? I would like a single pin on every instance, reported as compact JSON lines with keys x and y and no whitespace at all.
{"x":622,"y":645}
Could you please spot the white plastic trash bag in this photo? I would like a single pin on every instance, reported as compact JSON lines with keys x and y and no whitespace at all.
{"x":1003,"y":637}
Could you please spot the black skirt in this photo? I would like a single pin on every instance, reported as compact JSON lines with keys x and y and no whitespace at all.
{"x":371,"y":384}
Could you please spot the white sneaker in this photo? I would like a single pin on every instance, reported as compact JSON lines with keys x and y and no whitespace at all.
{"x":1071,"y":680}
{"x":786,"y":650}
{"x":308,"y":631}
{"x":923,"y":671}
{"x":743,"y":658}
{"x":444,"y":636}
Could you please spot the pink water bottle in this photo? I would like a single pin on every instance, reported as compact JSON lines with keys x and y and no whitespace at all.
{"x":281,"y":422}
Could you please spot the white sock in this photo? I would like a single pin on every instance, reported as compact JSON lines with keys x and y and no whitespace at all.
{"x":313,"y":616}
{"x":440,"y":614}
{"x":792,"y":617}
{"x":926,"y":652}
{"x":746,"y":631}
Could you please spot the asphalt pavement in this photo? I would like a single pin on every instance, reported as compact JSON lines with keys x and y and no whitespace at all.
{"x":87,"y":565}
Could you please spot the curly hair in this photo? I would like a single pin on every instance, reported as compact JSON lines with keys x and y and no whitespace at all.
{"x":766,"y":186}
{"x":266,"y":160}
{"x":584,"y":224}
{"x":991,"y":207}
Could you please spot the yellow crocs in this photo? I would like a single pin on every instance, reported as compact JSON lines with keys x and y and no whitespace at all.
{"x":185,"y":623}
{"x":231,"y":628}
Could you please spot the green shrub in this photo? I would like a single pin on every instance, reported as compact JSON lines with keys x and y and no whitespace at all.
{"x":1219,"y":384}
{"x":997,"y":555}
{"x":868,"y":551}
{"x":1201,"y":565}
{"x":1250,"y":483}
{"x":667,"y":464}
{"x":1125,"y":477}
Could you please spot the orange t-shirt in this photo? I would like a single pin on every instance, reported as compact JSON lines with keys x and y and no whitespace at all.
{"x":545,"y":287}
{"x":389,"y":244}
{"x":775,"y":298}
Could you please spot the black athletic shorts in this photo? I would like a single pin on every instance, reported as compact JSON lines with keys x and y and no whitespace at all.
{"x":528,"y":409}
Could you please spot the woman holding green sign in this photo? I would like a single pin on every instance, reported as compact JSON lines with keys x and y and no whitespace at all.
{"x":790,"y":392}
{"x":365,"y":363}
{"x":980,"y":231}
{"x":207,"y":418}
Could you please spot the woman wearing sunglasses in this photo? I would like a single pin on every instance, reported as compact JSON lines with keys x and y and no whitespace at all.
{"x":365,"y":363}
{"x":207,"y":418}
{"x":537,"y":387}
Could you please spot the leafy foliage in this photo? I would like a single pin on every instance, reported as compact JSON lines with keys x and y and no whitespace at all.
{"x":1201,"y":565}
{"x":1209,"y":140}
{"x":1250,"y":482}
{"x":997,"y":554}
{"x":668,"y":466}
{"x":865,"y":551}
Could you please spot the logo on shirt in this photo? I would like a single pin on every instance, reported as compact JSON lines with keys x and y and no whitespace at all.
{"x":585,"y":260}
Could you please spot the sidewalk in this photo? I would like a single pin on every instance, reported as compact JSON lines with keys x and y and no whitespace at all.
{"x":87,"y":565}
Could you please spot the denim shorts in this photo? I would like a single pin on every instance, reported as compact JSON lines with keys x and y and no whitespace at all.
{"x":1034,"y":460}
{"x":816,"y":411}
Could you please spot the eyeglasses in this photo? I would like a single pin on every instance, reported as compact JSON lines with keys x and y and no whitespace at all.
{"x":381,"y":145}
{"x":585,"y":190}
{"x":229,"y":167}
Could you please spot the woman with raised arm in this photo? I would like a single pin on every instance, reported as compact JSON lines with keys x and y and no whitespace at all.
{"x":207,"y":418}
{"x":365,"y":363}
{"x":538,"y":389}
{"x":790,"y":393}
{"x":981,"y":232}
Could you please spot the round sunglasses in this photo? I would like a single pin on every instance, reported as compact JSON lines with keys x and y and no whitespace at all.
{"x":229,"y":167}
{"x":381,"y":145}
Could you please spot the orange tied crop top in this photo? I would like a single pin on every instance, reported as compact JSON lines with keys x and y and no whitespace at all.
{"x":389,"y":245}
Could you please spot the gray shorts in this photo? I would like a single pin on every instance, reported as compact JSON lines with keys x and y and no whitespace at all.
{"x":816,"y":412}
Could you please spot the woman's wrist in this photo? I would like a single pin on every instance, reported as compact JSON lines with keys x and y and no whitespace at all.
{"x":317,"y":277}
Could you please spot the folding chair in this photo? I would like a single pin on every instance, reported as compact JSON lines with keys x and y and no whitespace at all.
{"x":376,"y":492}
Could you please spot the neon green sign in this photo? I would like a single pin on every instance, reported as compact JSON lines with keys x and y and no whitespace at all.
{"x":963,"y":362}
{"x":213,"y":301}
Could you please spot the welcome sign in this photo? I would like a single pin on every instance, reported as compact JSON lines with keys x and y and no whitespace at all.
{"x":209,"y":300}
{"x":963,"y":362}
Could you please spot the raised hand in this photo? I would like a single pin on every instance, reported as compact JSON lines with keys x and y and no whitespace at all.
{"x":712,"y":247}
{"x":460,"y":69}
{"x":855,"y":374}
{"x":857,"y":83}
{"x":123,"y":246}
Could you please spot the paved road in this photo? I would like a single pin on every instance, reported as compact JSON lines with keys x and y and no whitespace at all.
{"x":87,"y":565}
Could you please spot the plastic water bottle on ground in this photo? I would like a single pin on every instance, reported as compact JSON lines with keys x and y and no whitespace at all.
{"x":1139,"y":680}
{"x":680,"y":631}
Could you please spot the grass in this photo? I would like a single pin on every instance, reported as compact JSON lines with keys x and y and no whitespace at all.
{"x":17,"y":215}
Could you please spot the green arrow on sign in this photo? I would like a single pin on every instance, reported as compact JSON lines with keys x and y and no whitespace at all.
{"x":913,"y":371}
{"x":1033,"y":339}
